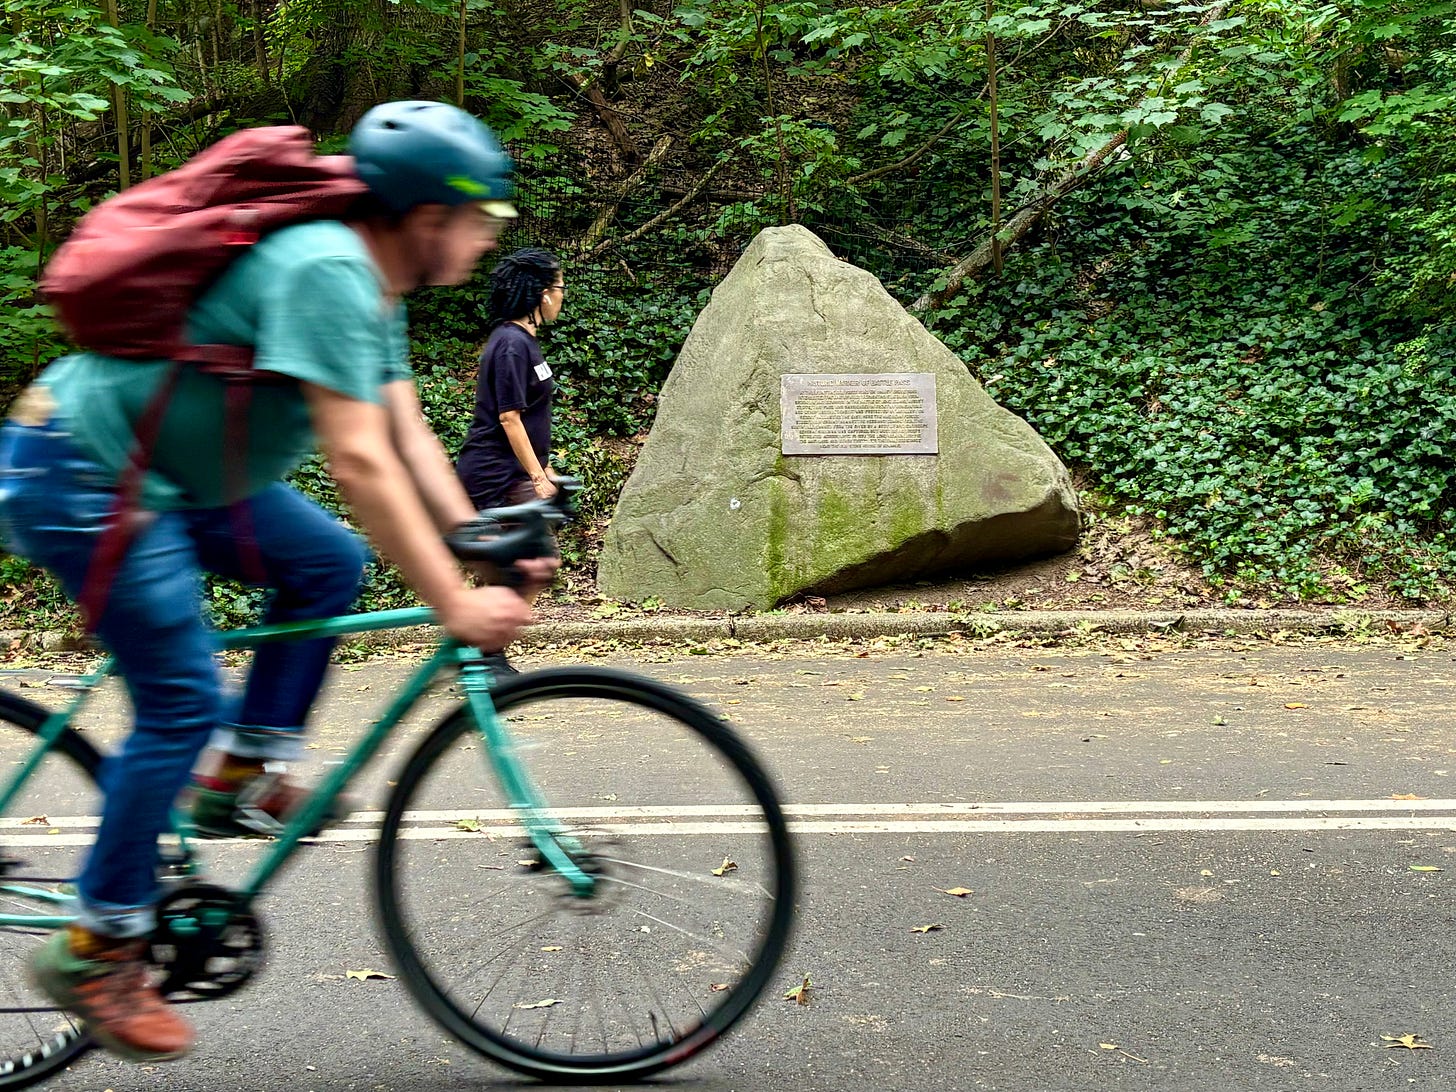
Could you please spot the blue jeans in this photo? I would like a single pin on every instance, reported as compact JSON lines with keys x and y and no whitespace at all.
{"x":54,"y":500}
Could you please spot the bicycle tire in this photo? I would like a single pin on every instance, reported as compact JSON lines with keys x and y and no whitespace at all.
{"x":64,"y":1039}
{"x":422,"y":975}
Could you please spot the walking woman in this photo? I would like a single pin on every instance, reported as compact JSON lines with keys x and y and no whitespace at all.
{"x":506,"y":456}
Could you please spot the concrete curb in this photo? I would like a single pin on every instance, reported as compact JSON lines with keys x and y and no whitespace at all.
{"x":869,"y":625}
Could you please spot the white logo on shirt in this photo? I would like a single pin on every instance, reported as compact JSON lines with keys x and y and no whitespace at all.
{"x":543,"y":371}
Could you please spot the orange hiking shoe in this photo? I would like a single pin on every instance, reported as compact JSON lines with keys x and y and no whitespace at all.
{"x":113,"y":993}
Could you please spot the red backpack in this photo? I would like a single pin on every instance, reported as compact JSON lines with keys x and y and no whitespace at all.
{"x":125,"y":280}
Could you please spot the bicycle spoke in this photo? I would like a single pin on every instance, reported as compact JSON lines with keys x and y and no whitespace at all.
{"x":717,"y":883}
{"x":616,"y":982}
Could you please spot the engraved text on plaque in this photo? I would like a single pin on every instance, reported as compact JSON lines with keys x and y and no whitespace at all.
{"x":870,"y":414}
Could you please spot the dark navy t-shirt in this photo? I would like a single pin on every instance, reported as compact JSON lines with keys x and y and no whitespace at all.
{"x":513,"y":376}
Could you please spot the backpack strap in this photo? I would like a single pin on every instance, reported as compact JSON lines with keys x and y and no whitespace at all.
{"x":127,"y":517}
{"x":237,"y":399}
{"x":233,"y":365}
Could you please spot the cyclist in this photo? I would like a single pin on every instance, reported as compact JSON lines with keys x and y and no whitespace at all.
{"x":320,"y":303}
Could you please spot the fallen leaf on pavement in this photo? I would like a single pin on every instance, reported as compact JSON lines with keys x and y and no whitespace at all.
{"x":958,"y":892}
{"x":362,"y":975}
{"x":472,"y":825}
{"x":1426,"y":868}
{"x":1410,"y":1042}
{"x":543,"y":1004}
{"x":1295,"y":705}
{"x":36,"y":821}
{"x":1405,"y":796}
{"x":553,"y":948}
{"x":927,"y":928}
{"x":726,"y":866}
{"x":718,"y":987}
{"x":799,"y":993}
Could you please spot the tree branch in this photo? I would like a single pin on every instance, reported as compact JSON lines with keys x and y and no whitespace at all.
{"x":1029,"y":214}
{"x":909,"y":160}
{"x":603,"y":220}
{"x":637,"y":233}
{"x":593,"y":94}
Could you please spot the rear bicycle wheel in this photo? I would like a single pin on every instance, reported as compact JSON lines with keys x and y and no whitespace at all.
{"x":680,"y":828}
{"x":43,"y":833}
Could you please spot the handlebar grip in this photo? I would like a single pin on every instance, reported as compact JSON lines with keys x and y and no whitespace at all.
{"x":503,"y":536}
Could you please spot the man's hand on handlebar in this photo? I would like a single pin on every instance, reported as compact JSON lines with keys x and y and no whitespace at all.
{"x":514,"y":546}
{"x":485,"y":618}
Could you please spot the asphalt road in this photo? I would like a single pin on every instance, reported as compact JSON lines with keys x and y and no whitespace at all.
{"x":1217,"y":867}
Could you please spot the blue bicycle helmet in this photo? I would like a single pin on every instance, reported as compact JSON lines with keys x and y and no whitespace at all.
{"x":425,"y":153}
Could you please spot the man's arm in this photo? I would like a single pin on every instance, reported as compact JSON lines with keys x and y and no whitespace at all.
{"x":357,"y":443}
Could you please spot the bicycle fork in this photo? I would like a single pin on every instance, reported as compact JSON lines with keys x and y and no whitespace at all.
{"x":557,"y":847}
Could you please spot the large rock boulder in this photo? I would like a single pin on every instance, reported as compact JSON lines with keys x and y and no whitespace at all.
{"x":715,"y":517}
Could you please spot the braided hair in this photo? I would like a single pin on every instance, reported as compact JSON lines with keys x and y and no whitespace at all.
{"x":516,"y":284}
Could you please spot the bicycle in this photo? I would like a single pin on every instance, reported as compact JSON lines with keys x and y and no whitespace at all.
{"x":547,"y":975}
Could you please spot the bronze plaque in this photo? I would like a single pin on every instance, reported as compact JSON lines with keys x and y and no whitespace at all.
{"x":858,"y":414}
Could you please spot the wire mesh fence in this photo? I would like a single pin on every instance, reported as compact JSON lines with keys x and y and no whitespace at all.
{"x":574,"y":203}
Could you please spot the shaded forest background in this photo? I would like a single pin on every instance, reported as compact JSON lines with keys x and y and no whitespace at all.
{"x":1207,"y":249}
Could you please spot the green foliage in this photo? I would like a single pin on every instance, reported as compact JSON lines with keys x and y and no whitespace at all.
{"x":1245,"y":326}
{"x":1223,"y":362}
{"x":59,"y":65}
{"x":28,"y":337}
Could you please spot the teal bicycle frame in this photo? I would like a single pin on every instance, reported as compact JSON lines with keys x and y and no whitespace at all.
{"x":548,"y":836}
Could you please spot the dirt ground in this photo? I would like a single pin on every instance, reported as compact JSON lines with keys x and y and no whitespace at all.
{"x":1119,"y":564}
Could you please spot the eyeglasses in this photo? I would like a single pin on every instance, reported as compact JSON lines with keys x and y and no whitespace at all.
{"x":557,"y":288}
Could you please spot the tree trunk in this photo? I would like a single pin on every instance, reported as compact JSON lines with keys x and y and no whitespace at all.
{"x":260,"y":42}
{"x":995,"y":141}
{"x":786,"y":188}
{"x":609,"y":117}
{"x":146,"y":134}
{"x":118,"y":98}
{"x":460,"y":61}
{"x":613,"y":60}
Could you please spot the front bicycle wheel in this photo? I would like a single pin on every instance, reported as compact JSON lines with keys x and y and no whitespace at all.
{"x":47,"y":825}
{"x":678,"y":825}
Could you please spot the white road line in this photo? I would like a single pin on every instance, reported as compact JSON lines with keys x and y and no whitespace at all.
{"x":1190,"y":824}
{"x":1055,"y":807}
{"x":1068,"y":812}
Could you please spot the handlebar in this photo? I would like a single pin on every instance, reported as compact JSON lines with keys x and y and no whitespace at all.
{"x":503,"y":536}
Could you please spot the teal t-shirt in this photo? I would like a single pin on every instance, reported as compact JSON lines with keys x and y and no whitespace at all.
{"x":310,"y":300}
